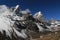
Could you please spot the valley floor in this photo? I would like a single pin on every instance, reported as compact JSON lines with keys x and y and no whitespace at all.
{"x":48,"y":36}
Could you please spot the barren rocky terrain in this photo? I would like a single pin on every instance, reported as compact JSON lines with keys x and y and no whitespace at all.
{"x":46,"y":36}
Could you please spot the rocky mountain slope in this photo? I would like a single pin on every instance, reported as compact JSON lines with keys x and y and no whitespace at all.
{"x":16,"y":24}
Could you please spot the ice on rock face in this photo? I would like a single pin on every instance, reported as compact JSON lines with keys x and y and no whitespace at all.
{"x":41,"y":29}
{"x":18,"y":18}
{"x":20,"y":34}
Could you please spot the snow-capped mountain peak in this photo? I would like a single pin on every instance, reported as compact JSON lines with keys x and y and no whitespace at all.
{"x":37,"y":15}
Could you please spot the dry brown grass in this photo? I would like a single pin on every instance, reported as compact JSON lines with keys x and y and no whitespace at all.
{"x":48,"y":36}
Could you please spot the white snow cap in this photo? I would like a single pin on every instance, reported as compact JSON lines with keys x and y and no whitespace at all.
{"x":6,"y":24}
{"x":37,"y":15}
{"x":16,"y":8}
{"x":4,"y":10}
{"x":25,"y":11}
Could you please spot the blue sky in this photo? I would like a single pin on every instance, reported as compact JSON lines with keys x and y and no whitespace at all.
{"x":49,"y":8}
